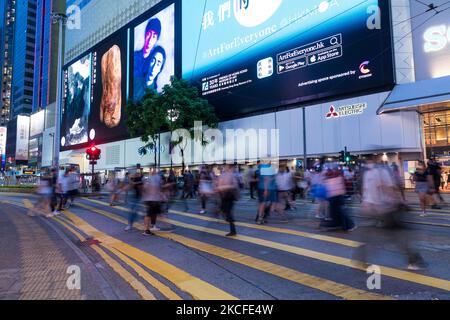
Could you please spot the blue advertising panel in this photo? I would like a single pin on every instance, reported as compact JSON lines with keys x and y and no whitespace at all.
{"x":248,"y":55}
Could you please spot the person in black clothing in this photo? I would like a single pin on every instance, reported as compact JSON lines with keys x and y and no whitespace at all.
{"x":54,"y":199}
{"x":435,"y":170}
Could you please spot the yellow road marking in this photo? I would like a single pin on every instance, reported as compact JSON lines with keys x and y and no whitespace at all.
{"x":196,"y":287}
{"x":66,"y":225}
{"x":386,"y":271}
{"x":327,"y":286}
{"x":345,"y":242}
{"x":27,"y":203}
{"x":331,"y":287}
{"x":121,"y":271}
{"x":166,"y":291}
{"x":125,"y":274}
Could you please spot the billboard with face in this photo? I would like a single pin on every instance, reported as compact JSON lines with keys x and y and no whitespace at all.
{"x":154,"y":52}
{"x":77,"y":102}
{"x":246,"y":55}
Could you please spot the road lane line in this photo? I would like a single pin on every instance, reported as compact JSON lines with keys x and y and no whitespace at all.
{"x":386,"y":271}
{"x":121,"y":271}
{"x":344,"y":242}
{"x":165,"y":290}
{"x":125,"y":274}
{"x":327,"y":286}
{"x":330,"y":287}
{"x":197,"y":288}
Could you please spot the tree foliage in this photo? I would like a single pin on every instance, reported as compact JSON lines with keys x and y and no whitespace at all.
{"x":179,"y":106}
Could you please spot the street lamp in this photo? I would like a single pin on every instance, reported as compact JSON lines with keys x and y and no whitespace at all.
{"x":60,"y":18}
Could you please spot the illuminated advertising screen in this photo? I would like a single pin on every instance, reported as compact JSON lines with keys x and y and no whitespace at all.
{"x":120,"y":68}
{"x":248,"y":55}
{"x":431,"y":37}
{"x":3,"y":132}
{"x":22,"y":137}
{"x":37,"y":123}
{"x":154,"y":52}
{"x":107,"y":119}
{"x":77,"y":102}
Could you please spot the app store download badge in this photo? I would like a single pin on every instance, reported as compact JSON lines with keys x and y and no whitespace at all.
{"x":265,"y":68}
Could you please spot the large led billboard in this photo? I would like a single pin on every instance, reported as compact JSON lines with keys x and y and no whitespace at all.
{"x":154,"y":52}
{"x":431,"y":37}
{"x":77,"y":102}
{"x":248,"y":55}
{"x":22,"y":137}
{"x":120,"y":68}
{"x":107,"y":117}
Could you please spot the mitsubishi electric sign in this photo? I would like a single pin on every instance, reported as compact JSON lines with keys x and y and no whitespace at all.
{"x":431,"y":40}
{"x":346,"y":111}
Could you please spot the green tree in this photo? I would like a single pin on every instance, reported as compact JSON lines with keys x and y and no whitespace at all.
{"x":184,"y":107}
{"x":146,"y":119}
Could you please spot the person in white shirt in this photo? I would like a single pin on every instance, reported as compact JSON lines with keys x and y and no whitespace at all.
{"x":285,"y":183}
{"x":63,"y":189}
{"x":152,"y":197}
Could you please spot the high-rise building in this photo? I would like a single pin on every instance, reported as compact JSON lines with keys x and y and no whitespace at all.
{"x":46,"y":57}
{"x":7,"y":19}
{"x":23,"y":57}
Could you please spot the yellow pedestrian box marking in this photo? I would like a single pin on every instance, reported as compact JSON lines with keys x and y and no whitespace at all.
{"x":345,"y":242}
{"x":346,"y":262}
{"x":194,"y":286}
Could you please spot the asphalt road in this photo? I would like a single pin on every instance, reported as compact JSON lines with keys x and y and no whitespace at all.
{"x":192,"y":259}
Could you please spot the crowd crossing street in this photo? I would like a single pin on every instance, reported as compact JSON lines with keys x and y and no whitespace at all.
{"x":191,"y":258}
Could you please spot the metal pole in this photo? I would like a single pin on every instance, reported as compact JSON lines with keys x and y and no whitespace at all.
{"x":61,"y":19}
{"x":305,"y":154}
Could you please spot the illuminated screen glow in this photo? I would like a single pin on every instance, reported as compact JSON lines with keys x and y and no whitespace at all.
{"x":253,"y":55}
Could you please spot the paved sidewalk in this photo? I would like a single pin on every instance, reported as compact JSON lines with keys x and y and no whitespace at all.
{"x":35,"y":260}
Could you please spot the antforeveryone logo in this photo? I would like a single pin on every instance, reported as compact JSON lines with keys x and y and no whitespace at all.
{"x":252,"y":13}
{"x":346,"y":111}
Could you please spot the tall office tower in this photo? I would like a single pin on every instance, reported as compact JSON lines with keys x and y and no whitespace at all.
{"x":23,"y":57}
{"x":7,"y":19}
{"x":46,"y":57}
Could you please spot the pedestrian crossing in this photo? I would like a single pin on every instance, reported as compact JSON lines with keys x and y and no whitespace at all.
{"x":154,"y":278}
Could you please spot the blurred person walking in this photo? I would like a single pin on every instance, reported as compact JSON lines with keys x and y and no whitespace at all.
{"x":63,"y":186}
{"x":383,"y":203}
{"x":435,"y":171}
{"x":425,"y":188}
{"x":228,"y":189}
{"x":136,"y":184}
{"x":335,"y":186}
{"x":205,"y":187}
{"x":284,"y":182}
{"x":152,"y":197}
{"x":267,"y":191}
{"x":74,"y":185}
{"x":43,"y":204}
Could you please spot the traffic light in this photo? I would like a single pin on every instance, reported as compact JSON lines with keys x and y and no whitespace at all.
{"x":93,"y":153}
{"x":342,"y":156}
{"x":347,"y":157}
